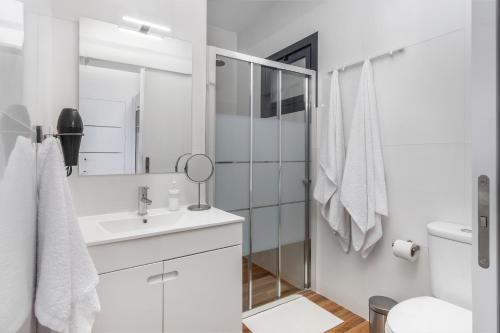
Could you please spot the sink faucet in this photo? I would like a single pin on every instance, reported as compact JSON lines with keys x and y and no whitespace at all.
{"x":144,"y":201}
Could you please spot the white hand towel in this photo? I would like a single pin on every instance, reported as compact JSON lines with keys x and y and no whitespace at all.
{"x":17,"y":235}
{"x":331,"y":166}
{"x":363,"y":186}
{"x":66,"y":297}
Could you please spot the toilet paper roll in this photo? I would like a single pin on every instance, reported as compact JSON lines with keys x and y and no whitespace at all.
{"x":404,"y":250}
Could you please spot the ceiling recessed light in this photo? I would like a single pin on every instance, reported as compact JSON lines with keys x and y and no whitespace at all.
{"x":140,"y":33}
{"x":146,"y":23}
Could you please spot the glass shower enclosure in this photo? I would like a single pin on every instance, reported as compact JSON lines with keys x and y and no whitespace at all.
{"x":258,"y":134}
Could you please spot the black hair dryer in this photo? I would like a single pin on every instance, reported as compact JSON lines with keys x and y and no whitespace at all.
{"x":70,"y":132}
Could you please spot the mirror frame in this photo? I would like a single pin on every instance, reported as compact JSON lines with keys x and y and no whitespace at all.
{"x":211,"y":171}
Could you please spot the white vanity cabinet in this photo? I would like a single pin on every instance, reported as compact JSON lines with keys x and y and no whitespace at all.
{"x":129,"y":303}
{"x":185,"y":281}
{"x":201,"y":297}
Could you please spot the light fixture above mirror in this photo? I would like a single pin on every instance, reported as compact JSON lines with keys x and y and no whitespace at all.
{"x":146,"y":24}
{"x":144,"y":34}
{"x":144,"y":28}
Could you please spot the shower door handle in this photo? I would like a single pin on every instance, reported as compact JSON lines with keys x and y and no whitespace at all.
{"x":483,"y":221}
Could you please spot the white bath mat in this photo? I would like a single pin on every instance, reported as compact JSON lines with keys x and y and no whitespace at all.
{"x":297,"y":316}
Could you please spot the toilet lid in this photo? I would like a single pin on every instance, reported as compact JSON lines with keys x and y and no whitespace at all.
{"x":428,"y":315}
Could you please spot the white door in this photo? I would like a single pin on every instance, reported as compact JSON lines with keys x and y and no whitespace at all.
{"x":203,"y":292}
{"x":484,"y":165}
{"x":131,"y":300}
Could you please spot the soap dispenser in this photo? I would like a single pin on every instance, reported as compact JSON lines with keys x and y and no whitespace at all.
{"x":173,"y":197}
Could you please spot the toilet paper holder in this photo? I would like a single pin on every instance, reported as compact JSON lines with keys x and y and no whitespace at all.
{"x":414,"y":247}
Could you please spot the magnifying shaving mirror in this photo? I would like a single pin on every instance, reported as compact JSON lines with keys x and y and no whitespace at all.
{"x":199,"y":168}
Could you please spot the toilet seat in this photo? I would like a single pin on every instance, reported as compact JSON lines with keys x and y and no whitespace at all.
{"x":428,"y":315}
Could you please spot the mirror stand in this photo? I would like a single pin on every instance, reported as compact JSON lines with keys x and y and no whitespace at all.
{"x":199,"y":168}
{"x":199,"y":206}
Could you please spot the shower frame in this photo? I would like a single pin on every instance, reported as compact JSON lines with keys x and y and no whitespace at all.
{"x":310,"y":102}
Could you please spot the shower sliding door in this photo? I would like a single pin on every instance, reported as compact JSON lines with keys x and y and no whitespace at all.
{"x":294,"y":203}
{"x":259,"y":137}
{"x":263,"y":264}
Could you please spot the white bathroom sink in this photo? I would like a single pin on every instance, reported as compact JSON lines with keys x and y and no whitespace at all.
{"x":121,"y":226}
{"x":142,"y":222}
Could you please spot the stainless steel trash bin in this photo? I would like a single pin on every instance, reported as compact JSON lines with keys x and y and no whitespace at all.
{"x":379,"y":308}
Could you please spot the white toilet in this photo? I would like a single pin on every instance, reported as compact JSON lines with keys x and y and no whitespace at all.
{"x":451,"y":278}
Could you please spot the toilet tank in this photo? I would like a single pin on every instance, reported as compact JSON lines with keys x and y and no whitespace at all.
{"x":450,"y":262}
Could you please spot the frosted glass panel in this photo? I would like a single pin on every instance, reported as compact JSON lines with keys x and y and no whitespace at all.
{"x":231,"y":186}
{"x":232,"y":138}
{"x":293,"y":147}
{"x":265,"y":139}
{"x":293,"y":174}
{"x":232,"y":135}
{"x":293,"y":226}
{"x":232,"y":150}
{"x":293,"y":134}
{"x":265,"y":184}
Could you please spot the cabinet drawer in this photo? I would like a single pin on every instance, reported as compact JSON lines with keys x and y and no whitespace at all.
{"x":136,"y":252}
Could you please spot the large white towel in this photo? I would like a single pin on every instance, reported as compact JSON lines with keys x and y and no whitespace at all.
{"x":331,"y":166}
{"x":17,"y":235}
{"x":66,"y":297}
{"x":363,"y":186}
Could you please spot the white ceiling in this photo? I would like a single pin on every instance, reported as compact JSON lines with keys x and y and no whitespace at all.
{"x":236,"y":15}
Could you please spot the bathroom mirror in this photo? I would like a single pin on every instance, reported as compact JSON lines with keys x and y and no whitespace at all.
{"x":135,"y":87}
{"x":199,"y":168}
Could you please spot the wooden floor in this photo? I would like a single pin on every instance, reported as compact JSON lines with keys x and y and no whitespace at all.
{"x":352,"y":323}
{"x":263,"y":286}
{"x":264,"y":291}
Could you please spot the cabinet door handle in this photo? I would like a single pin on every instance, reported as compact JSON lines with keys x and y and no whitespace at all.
{"x":162,"y":278}
{"x":170,"y":276}
{"x":154,"y":279}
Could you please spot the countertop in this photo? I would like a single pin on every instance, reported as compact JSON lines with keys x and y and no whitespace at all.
{"x":95,"y":234}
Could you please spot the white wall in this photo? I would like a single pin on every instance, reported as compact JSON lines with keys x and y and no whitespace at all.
{"x":425,"y":136}
{"x":52,"y":69}
{"x":222,"y":38}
